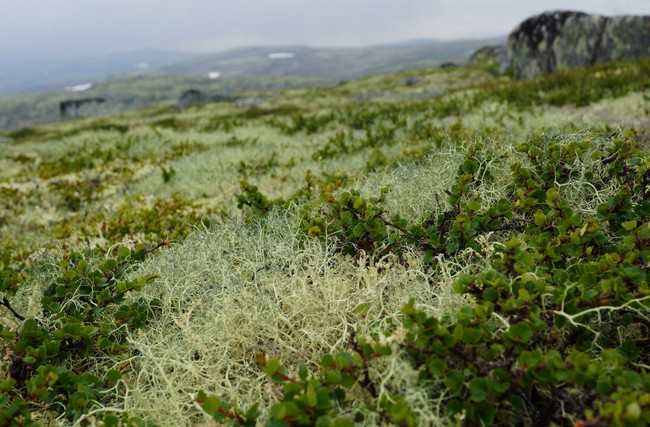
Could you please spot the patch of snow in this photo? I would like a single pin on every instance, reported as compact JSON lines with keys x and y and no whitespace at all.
{"x":282,"y":55}
{"x":214,"y":75}
{"x":79,"y":88}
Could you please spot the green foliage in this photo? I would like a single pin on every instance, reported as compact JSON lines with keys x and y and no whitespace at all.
{"x":11,"y":278}
{"x":358,"y":224}
{"x":85,"y":315}
{"x":225,"y":124}
{"x":558,"y":328}
{"x":313,"y":400}
{"x":247,"y":168}
{"x":252,"y":199}
{"x":24,"y":133}
{"x":256,"y":112}
{"x":309,"y":124}
{"x":364,"y":225}
{"x":96,"y":158}
{"x":95,"y":126}
{"x":163,"y":220}
{"x":579,"y":87}
{"x":167,"y":173}
{"x":556,"y":325}
{"x":170,"y":123}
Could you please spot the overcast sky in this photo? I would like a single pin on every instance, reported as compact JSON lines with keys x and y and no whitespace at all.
{"x":86,"y":27}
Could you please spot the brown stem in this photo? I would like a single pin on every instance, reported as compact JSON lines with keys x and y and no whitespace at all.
{"x":6,"y":303}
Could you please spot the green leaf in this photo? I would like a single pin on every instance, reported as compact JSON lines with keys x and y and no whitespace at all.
{"x":333,"y":376}
{"x":437,"y":367}
{"x":474,"y":204}
{"x":472,"y":335}
{"x":310,"y":395}
{"x":112,"y":376}
{"x":111,"y":420}
{"x":272,"y":367}
{"x":123,"y":252}
{"x":327,"y":360}
{"x":323,"y":421}
{"x":520,"y":332}
{"x":486,"y":413}
{"x":210,"y":404}
{"x":303,"y":372}
{"x":454,"y":380}
{"x":629,"y":225}
{"x":359,"y":230}
{"x":253,"y":412}
{"x":275,"y":422}
{"x":342,"y":422}
{"x":478,"y":389}
{"x":348,"y":381}
{"x":344,"y":198}
{"x":108,"y":265}
{"x":362,"y":309}
{"x":358,"y":203}
{"x":551,"y":196}
{"x":501,"y":382}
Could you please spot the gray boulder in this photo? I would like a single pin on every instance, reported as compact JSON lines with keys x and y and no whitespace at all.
{"x":493,"y":56}
{"x":191,"y":98}
{"x":563,"y":40}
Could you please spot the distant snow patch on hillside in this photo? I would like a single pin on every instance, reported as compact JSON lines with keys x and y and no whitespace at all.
{"x":282,"y":55}
{"x":79,"y":88}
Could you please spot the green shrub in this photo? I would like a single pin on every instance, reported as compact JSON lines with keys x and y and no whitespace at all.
{"x":558,"y":329}
{"x":84,"y":315}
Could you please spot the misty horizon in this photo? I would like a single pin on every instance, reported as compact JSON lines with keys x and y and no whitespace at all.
{"x":264,"y":46}
{"x":75,"y":28}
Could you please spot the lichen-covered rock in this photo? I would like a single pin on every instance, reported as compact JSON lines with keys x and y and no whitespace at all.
{"x":625,"y":37}
{"x":561,"y":40}
{"x":492,"y":56}
{"x":191,"y":98}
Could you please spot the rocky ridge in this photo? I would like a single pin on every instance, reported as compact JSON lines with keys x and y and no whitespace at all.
{"x":560,"y":40}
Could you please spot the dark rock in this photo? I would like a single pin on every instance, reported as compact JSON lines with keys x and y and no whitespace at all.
{"x":191,"y":98}
{"x":411,"y":81}
{"x":494,"y":57}
{"x":194,"y":97}
{"x":71,"y":107}
{"x":562,"y":40}
{"x":448,"y":65}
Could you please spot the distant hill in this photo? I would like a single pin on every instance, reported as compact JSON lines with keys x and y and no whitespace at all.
{"x":33,"y":75}
{"x":330,"y":63}
{"x":28,"y":98}
{"x":46,"y":75}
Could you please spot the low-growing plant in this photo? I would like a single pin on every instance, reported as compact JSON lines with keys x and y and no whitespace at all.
{"x":580,"y":87}
{"x":222,"y":124}
{"x":164,"y":219}
{"x":309,"y":124}
{"x":262,"y":167}
{"x":252,"y":199}
{"x":557,"y":333}
{"x":167,"y":173}
{"x":84,"y":315}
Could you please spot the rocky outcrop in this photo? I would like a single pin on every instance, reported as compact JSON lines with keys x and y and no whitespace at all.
{"x":71,"y":107}
{"x":191,"y":98}
{"x":194,"y":97}
{"x":561,"y":40}
{"x":493,"y":56}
